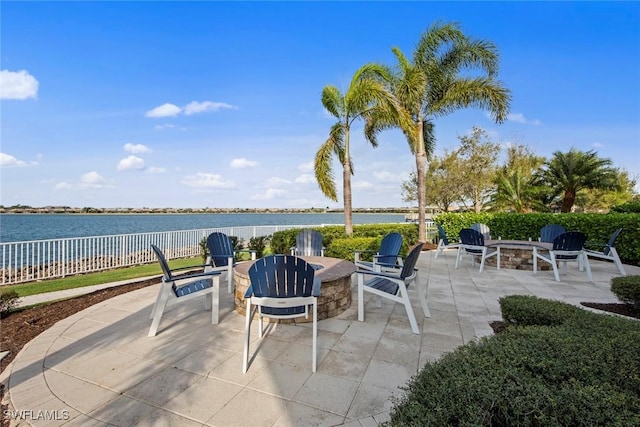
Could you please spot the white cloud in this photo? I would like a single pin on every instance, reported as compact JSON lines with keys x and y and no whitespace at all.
{"x":242,"y":163}
{"x":597,"y":145}
{"x":520,"y":118}
{"x":385,"y":176}
{"x":305,"y":179}
{"x":195,"y":107}
{"x":17,"y":85}
{"x":136,"y":148}
{"x":165,"y":110}
{"x":63,"y":186}
{"x":131,"y":163}
{"x":362,"y":185}
{"x":277,"y":182}
{"x":270,"y":194}
{"x":93,"y":180}
{"x":162,"y":127}
{"x":206,"y":180}
{"x":154,"y":170}
{"x":305,"y":167}
{"x":7,"y":160}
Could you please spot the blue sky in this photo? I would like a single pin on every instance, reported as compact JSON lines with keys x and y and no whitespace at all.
{"x":217,"y":104}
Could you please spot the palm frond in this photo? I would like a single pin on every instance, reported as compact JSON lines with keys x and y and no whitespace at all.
{"x":333,"y":101}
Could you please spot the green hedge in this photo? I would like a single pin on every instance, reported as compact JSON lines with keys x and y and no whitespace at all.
{"x":584,"y":371}
{"x":597,"y":227}
{"x":337,"y":244}
{"x":627,"y":289}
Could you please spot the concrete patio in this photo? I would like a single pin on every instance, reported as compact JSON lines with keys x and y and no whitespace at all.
{"x":98,"y":367}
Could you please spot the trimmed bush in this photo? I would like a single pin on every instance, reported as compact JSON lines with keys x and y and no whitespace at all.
{"x":283,"y":241}
{"x":597,"y":227}
{"x":525,"y":310}
{"x":259,"y":245}
{"x":627,"y":289}
{"x":584,"y":371}
{"x":8,"y":300}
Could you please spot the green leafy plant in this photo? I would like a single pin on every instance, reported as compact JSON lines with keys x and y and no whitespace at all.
{"x":8,"y":300}
{"x":627,"y":289}
{"x":259,"y":245}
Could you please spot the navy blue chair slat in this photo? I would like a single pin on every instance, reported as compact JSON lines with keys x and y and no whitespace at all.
{"x":192,"y":287}
{"x":443,"y":235}
{"x":309,"y":242}
{"x":469,"y":236}
{"x":548,"y":233}
{"x":384,"y":285}
{"x":612,"y":241}
{"x":220,"y":249}
{"x":389,"y":249}
{"x":166,"y":271}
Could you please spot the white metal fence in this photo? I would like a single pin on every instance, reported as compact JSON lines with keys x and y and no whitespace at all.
{"x":46,"y":259}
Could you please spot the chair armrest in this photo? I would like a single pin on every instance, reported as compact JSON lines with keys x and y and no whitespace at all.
{"x":193,"y":276}
{"x":249,"y":292}
{"x":191,"y":267}
{"x":379,"y":274}
{"x":317,"y":283}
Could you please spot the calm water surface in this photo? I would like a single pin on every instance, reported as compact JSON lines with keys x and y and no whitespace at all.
{"x":25,"y":227}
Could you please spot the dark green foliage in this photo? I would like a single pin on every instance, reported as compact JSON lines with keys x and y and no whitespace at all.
{"x":632,"y":206}
{"x":525,"y":310}
{"x":258,"y":244}
{"x":597,"y":227}
{"x":283,"y":241}
{"x":204,"y":250}
{"x":627,"y":289}
{"x":8,"y":300}
{"x":585,"y":371}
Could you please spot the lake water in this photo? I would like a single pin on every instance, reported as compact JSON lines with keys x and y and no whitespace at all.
{"x":26,"y":227}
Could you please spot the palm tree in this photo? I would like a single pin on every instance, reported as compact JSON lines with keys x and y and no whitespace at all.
{"x":567,"y":173}
{"x":366,"y":95}
{"x":432,"y":85}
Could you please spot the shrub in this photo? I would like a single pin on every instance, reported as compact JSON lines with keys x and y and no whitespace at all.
{"x":258,"y":244}
{"x":8,"y":300}
{"x":632,"y":206}
{"x":627,"y":289}
{"x":585,"y":371}
{"x":597,"y":227}
{"x":527,"y":310}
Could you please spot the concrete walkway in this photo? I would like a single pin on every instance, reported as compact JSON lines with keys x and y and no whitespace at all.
{"x":98,"y":368}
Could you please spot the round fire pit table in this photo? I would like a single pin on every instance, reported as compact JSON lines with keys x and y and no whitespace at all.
{"x":335,"y":294}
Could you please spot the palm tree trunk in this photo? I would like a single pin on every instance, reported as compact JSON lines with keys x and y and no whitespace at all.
{"x":567,"y":201}
{"x":421,"y":161}
{"x":346,"y":186}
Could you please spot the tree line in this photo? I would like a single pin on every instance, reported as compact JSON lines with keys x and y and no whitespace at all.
{"x":472,"y":176}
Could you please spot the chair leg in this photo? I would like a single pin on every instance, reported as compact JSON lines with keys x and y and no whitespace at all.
{"x":407,"y":305}
{"x":484,"y":255}
{"x":535,"y":260}
{"x":422,"y":295}
{"x":458,"y":255}
{"x":247,"y":337}
{"x":315,"y":335}
{"x":214,"y":298}
{"x":554,"y":264}
{"x":230,"y":274}
{"x":585,"y":262}
{"x":439,"y":249}
{"x":616,"y":260}
{"x":159,"y":310}
{"x":361,"y":297}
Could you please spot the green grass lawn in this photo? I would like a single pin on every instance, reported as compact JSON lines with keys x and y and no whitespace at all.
{"x":71,"y":282}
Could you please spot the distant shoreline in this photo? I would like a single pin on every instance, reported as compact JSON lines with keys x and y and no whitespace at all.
{"x":164,"y":211}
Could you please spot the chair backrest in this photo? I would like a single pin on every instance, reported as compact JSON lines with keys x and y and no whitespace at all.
{"x":469,"y":236}
{"x":612,"y":241}
{"x":281,"y":276}
{"x":309,"y":242}
{"x":390,"y":248}
{"x":411,"y":260}
{"x":443,"y":234}
{"x":166,"y":272}
{"x":549,"y":232}
{"x":483,"y":229}
{"x":569,"y":241}
{"x":220,"y":248}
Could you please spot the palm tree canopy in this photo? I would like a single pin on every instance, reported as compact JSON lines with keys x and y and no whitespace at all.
{"x":567,"y":173}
